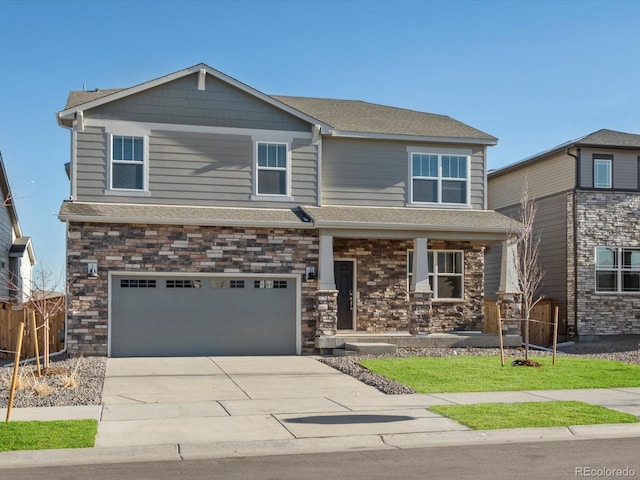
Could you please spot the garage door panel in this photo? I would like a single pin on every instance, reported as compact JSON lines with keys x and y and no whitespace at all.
{"x":203,"y":316}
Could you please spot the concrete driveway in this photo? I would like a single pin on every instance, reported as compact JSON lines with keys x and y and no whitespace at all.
{"x":187,"y":408}
{"x":200,"y":400}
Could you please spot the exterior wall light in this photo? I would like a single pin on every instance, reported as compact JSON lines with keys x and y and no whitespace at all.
{"x":92,"y":270}
{"x":310,"y":273}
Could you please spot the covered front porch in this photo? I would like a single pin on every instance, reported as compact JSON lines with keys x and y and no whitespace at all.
{"x":410,"y":281}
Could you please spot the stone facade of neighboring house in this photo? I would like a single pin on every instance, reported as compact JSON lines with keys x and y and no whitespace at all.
{"x":588,"y":196}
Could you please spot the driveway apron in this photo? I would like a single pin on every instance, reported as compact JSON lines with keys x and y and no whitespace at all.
{"x":157,"y":401}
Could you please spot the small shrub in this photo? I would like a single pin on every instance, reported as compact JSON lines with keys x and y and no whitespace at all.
{"x":70,"y":380}
{"x":40,"y":386}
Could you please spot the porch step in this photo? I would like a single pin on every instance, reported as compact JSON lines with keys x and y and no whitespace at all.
{"x":342,"y":352}
{"x":370,"y":348}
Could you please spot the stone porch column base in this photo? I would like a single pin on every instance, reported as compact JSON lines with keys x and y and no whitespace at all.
{"x":420,"y":312}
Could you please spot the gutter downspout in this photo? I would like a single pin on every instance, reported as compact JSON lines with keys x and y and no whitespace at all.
{"x":72,"y":178}
{"x":575,"y":239}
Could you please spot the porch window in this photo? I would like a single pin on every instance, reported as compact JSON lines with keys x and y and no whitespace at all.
{"x":617,"y":270}
{"x":446,"y":273}
{"x":439,"y":178}
{"x":272,"y":169}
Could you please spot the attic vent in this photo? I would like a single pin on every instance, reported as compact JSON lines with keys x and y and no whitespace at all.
{"x":202,"y":74}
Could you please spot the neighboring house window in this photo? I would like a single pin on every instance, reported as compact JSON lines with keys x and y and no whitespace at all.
{"x":272,"y":169}
{"x":127,"y":163}
{"x":446,"y":274}
{"x":617,"y":270}
{"x":439,"y":178}
{"x":601,"y":173}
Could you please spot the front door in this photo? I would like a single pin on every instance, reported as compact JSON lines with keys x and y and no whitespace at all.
{"x":343,"y":271}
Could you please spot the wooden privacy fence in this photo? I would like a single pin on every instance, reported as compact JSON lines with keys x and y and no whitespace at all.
{"x":10,"y":318}
{"x":540,"y":323}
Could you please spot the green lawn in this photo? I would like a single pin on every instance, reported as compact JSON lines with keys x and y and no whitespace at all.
{"x":47,"y":435}
{"x":489,"y":416}
{"x":485,"y":374}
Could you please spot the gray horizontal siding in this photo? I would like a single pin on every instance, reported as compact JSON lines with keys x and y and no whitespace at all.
{"x":477,"y":179}
{"x":358,"y":172}
{"x":375,"y":173}
{"x":551,"y":222}
{"x":625,"y":168}
{"x":6,"y":239}
{"x":492,"y":265}
{"x":91,"y":168}
{"x":180,"y":102}
{"x":547,"y":176}
{"x":188,"y":168}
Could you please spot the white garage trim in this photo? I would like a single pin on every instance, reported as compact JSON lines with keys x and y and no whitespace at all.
{"x":295,"y":277}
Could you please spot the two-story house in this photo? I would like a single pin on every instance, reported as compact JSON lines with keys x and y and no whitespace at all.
{"x":206,"y":217}
{"x":588,"y":196}
{"x":16,"y":250}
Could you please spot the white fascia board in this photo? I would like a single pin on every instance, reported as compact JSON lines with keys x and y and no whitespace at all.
{"x":68,"y":113}
{"x":471,"y":236}
{"x":415,"y":227}
{"x":202,"y":223}
{"x":415,"y":138}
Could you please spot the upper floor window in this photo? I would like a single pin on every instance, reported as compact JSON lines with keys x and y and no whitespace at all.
{"x":272,"y":169}
{"x":617,"y":270}
{"x":446,"y":273}
{"x":602,"y":173}
{"x":127,"y":162}
{"x":437,"y":178}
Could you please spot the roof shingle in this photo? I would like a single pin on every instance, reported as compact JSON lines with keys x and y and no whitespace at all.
{"x":365,"y":117}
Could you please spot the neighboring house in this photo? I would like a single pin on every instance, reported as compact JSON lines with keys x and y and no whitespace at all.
{"x":16,"y":251}
{"x":588,"y":195}
{"x":207,"y":217}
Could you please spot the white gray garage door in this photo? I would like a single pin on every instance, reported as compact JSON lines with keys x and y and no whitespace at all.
{"x":202,"y":315}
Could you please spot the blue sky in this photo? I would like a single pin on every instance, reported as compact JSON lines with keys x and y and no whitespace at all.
{"x":533,"y":73}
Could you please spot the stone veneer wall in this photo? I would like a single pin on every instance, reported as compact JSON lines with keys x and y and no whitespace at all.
{"x":572,"y":327}
{"x":381,"y":271}
{"x":605,"y":219}
{"x":384,"y":304}
{"x":467,"y":314}
{"x":166,"y":248}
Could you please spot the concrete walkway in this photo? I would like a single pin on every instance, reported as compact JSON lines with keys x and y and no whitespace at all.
{"x":183,"y":408}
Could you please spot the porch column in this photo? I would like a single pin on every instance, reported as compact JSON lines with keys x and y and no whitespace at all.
{"x":420,"y":294}
{"x":420,"y":278}
{"x":327,"y":324}
{"x":508,"y":274}
{"x":326,"y":280}
{"x":509,"y":290}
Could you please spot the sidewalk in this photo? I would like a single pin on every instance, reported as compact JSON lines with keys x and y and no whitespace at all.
{"x":248,"y":406}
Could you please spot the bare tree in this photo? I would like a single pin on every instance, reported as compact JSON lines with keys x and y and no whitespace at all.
{"x":527,"y":267}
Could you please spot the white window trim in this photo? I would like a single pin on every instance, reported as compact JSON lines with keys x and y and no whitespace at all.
{"x":433,"y":275}
{"x":439,"y":153}
{"x":609,"y":163}
{"x":618,"y":269}
{"x":133,"y":132}
{"x":286,"y":197}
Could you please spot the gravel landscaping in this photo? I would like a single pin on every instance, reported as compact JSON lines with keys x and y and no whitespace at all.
{"x":88,"y":372}
{"x":91,"y":370}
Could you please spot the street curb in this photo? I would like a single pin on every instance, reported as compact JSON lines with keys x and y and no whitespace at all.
{"x":106,"y":455}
